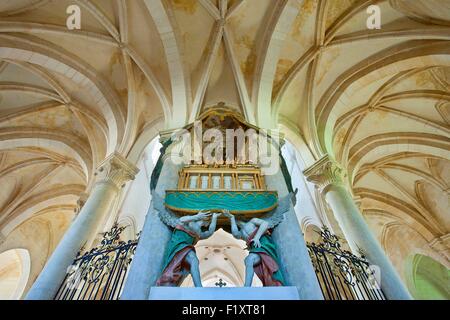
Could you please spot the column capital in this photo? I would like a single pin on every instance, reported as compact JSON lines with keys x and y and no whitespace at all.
{"x":442,"y":245}
{"x":117,"y":170}
{"x":166,"y":135}
{"x":325,"y":172}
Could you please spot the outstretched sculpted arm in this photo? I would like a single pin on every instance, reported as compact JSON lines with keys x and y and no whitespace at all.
{"x":234,"y":228}
{"x":199,"y":216}
{"x":212,"y":226}
{"x":262,"y":228}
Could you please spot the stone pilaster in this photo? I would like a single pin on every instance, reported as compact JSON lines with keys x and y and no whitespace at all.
{"x":148,"y":260}
{"x":295,"y":261}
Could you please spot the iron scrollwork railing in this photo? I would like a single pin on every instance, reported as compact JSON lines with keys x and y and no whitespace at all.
{"x":99,"y":274}
{"x":341,"y":274}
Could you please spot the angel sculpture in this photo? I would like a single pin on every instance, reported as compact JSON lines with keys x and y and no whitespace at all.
{"x":180,"y":257}
{"x":262,"y":259}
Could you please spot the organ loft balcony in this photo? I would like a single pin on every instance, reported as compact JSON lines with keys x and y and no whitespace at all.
{"x":240,"y":188}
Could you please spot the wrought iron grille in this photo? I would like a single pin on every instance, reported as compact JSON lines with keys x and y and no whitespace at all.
{"x":99,"y":274}
{"x":341,"y":274}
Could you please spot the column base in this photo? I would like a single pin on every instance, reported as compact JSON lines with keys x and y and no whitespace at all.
{"x":210,"y":293}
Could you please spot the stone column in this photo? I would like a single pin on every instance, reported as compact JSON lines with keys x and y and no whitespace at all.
{"x":293,"y":253}
{"x":329,"y":178}
{"x":113,"y":173}
{"x":148,"y":260}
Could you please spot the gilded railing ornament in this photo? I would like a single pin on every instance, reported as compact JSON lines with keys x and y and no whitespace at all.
{"x":342,"y":275}
{"x":99,"y":274}
{"x":111,"y":237}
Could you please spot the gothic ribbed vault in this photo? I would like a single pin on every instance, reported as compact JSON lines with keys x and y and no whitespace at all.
{"x":378,"y":101}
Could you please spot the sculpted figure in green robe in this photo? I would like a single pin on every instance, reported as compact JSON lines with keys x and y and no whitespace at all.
{"x":262,"y":258}
{"x":180,"y":258}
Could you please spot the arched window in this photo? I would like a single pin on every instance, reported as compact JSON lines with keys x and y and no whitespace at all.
{"x":427,"y":279}
{"x":14,"y":273}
